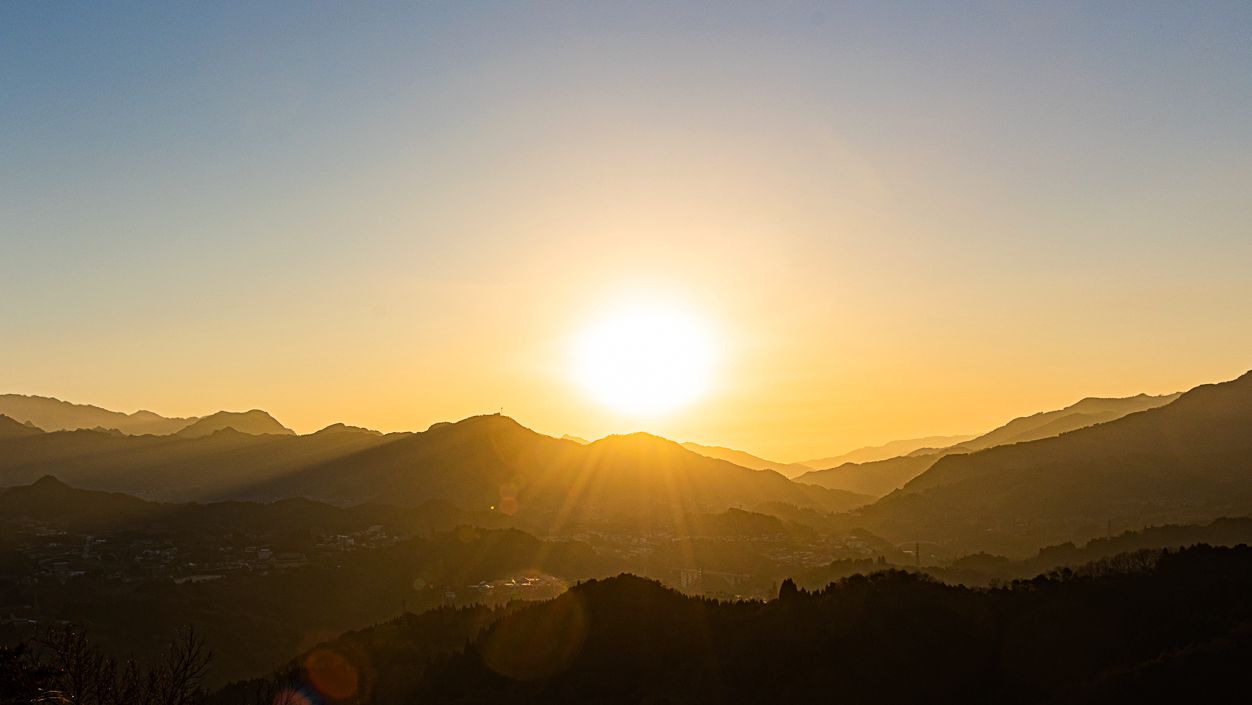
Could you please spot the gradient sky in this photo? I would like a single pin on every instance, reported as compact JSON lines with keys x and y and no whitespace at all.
{"x":903,"y":219}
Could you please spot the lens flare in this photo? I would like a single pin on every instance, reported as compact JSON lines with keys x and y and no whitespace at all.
{"x":332,"y":674}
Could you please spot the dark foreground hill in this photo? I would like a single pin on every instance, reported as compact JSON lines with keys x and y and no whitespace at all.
{"x":1148,"y":627}
{"x":1188,"y":461}
{"x":255,"y":621}
{"x":254,"y":611}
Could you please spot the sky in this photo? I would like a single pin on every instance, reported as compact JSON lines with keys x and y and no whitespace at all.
{"x":898,"y":219}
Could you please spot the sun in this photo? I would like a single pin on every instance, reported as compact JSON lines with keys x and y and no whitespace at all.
{"x":645,"y":359}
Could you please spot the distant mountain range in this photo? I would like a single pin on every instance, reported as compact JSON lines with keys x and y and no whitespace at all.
{"x":1087,"y":412}
{"x":48,"y":414}
{"x":167,"y":468}
{"x":1185,"y":461}
{"x":255,"y":422}
{"x":494,"y":461}
{"x":486,"y":463}
{"x":344,"y":428}
{"x":10,"y":428}
{"x":880,"y":477}
{"x":1051,"y":477}
{"x":876,"y":478}
{"x":894,"y":449}
{"x":55,"y":415}
{"x":747,"y":460}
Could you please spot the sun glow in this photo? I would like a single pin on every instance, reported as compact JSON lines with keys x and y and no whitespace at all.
{"x":645,"y":359}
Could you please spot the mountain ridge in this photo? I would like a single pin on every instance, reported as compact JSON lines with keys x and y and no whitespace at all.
{"x":1084,"y":412}
{"x":880,"y":477}
{"x":1182,"y":462}
{"x":745,"y":459}
{"x":891,"y":449}
{"x":52,"y":414}
{"x":254,"y":422}
{"x":479,"y":463}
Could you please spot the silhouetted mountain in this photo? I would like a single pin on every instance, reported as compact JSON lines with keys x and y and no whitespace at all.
{"x":55,"y":415}
{"x":343,"y":428}
{"x":958,"y":448}
{"x":170,"y":468}
{"x":881,"y":477}
{"x":255,"y":422}
{"x":877,"y":479}
{"x":893,"y":449}
{"x":1183,"y":462}
{"x":51,"y":502}
{"x":1226,"y":531}
{"x":747,"y":460}
{"x":10,"y":428}
{"x":1045,"y":424}
{"x":492,"y":461}
{"x":1173,"y":621}
{"x":576,"y":439}
{"x":481,"y":463}
{"x":986,"y":569}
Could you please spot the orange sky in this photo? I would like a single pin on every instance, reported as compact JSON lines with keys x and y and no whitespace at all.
{"x":900,"y":224}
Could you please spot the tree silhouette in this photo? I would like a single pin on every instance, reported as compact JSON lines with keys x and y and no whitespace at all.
{"x":788,"y":590}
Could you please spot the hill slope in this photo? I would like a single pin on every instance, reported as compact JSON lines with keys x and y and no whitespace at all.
{"x":170,"y":468}
{"x":1187,"y":461}
{"x":746,"y":460}
{"x":1086,"y":412}
{"x":482,"y":463}
{"x":894,"y":449}
{"x":55,"y":415}
{"x":51,"y":502}
{"x":494,"y":461}
{"x":880,"y":477}
{"x":10,"y":428}
{"x":1121,"y":631}
{"x":877,"y":479}
{"x":255,"y":422}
